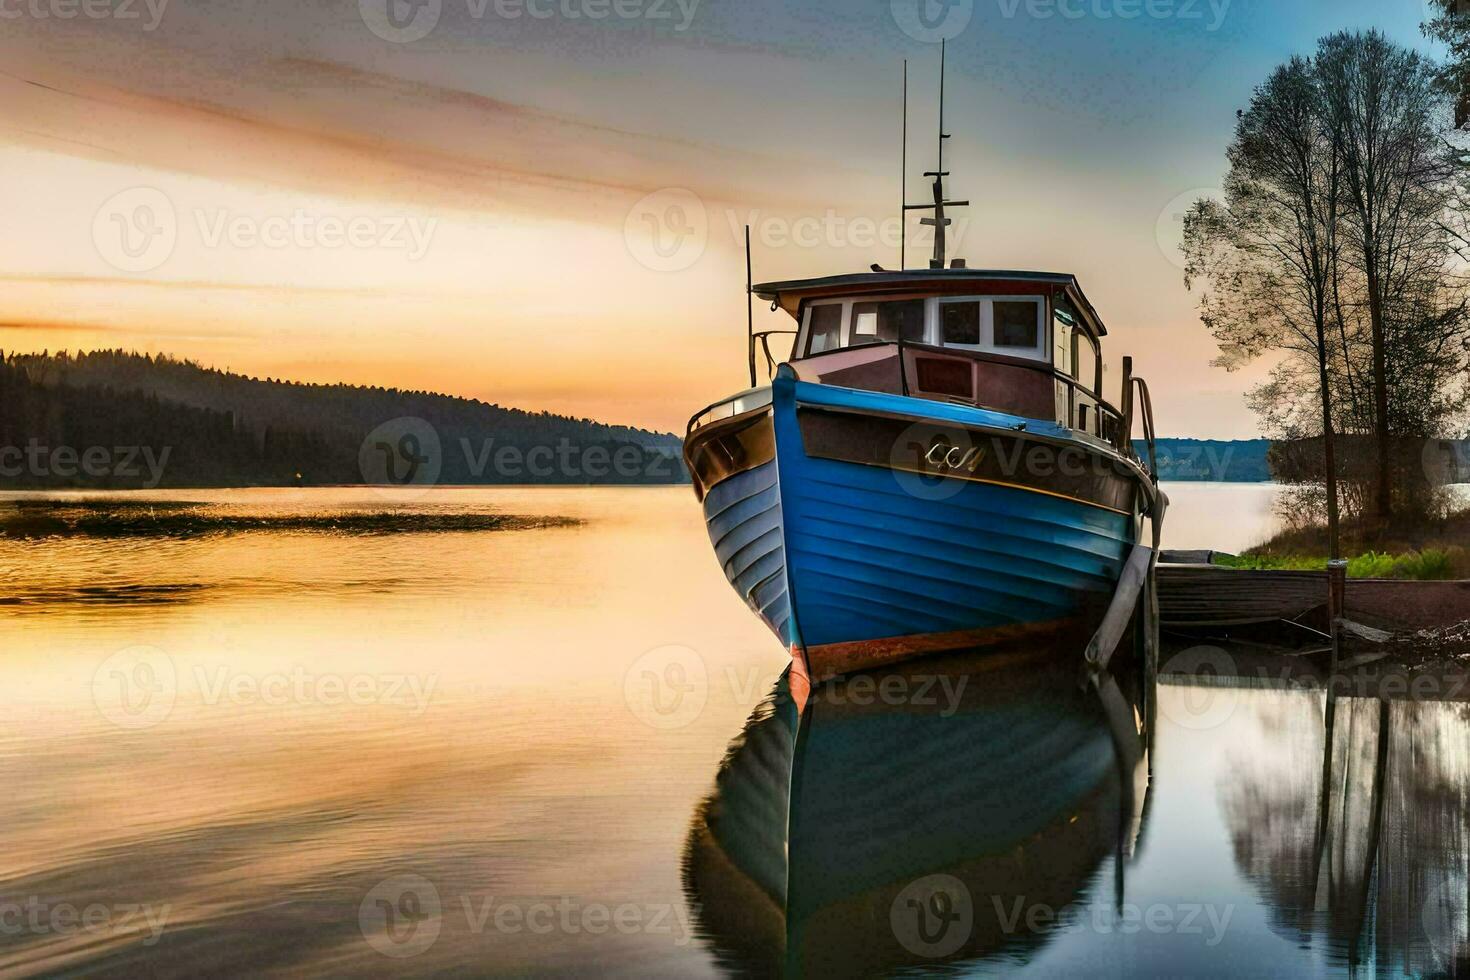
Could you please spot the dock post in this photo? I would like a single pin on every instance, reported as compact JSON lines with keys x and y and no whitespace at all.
{"x":1336,"y":603}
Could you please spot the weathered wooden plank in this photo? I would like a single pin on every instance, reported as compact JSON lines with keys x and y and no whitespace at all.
{"x":1203,"y":595}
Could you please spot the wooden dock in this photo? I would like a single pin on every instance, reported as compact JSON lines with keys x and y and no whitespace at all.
{"x":1193,"y":593}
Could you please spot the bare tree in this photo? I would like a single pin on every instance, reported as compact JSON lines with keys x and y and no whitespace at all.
{"x":1271,"y":252}
{"x":1380,"y":103}
{"x":1450,"y":24}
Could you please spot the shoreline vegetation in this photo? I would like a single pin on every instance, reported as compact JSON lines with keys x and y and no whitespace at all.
{"x":1429,"y":550}
{"x":114,"y":518}
{"x":120,"y":420}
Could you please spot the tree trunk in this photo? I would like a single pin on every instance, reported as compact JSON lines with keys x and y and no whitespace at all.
{"x":1329,"y":450}
{"x":1383,"y":492}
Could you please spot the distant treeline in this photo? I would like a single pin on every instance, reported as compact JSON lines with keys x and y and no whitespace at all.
{"x":1239,"y":461}
{"x":118,"y":419}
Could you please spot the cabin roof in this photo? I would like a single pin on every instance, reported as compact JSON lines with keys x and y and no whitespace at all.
{"x":790,"y":293}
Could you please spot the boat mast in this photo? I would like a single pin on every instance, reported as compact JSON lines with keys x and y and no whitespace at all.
{"x":903,"y":174}
{"x":938,"y":221}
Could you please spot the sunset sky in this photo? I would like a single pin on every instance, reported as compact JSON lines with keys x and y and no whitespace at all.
{"x":457,"y":194}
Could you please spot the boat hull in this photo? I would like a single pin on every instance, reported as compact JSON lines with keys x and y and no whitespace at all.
{"x":864,"y":528}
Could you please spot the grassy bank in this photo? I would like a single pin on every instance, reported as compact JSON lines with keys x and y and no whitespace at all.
{"x":1425,"y":551}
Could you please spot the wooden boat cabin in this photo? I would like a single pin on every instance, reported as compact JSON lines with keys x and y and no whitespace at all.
{"x":1026,"y":344}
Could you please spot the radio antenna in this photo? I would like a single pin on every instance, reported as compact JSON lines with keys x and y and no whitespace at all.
{"x":939,"y":221}
{"x":903,"y":174}
{"x":749,"y":310}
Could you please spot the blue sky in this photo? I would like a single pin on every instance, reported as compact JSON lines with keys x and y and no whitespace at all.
{"x":523,"y":141}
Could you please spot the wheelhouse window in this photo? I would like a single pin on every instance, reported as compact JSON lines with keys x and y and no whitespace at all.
{"x":895,"y":320}
{"x":1018,"y":324}
{"x":824,"y":328}
{"x":1002,"y":325}
{"x":960,"y":324}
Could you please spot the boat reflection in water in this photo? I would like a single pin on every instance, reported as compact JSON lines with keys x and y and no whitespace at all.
{"x":1355,"y":828}
{"x":937,"y":812}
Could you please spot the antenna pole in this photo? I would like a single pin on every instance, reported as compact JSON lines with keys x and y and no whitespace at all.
{"x":749,"y":310}
{"x":939,"y":222}
{"x":940,"y":168}
{"x":903,"y":175}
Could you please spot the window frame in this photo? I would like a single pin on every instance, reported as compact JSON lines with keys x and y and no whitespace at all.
{"x":804,"y":342}
{"x":1040,"y":352}
{"x":934,"y":323}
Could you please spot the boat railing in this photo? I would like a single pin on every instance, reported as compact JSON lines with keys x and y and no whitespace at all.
{"x":1111,"y":425}
{"x":1136,"y":394}
{"x":764,"y":338}
{"x":1114,"y":426}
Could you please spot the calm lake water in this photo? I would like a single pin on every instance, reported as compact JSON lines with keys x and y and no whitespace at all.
{"x":561,"y":749}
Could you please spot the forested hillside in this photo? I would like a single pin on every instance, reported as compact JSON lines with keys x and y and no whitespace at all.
{"x":69,"y":419}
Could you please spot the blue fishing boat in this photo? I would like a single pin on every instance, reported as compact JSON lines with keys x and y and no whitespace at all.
{"x":933,"y":467}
